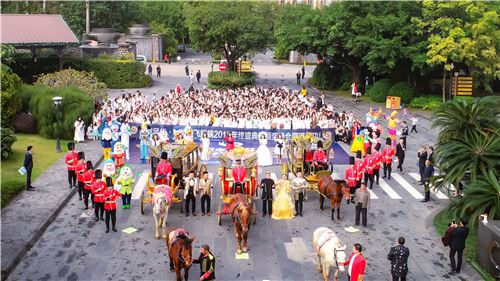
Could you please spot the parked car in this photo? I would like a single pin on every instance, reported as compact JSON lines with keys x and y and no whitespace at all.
{"x":181,"y":48}
{"x":141,"y":58}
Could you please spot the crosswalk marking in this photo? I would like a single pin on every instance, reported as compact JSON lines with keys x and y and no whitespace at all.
{"x":408,"y":187}
{"x":140,"y":185}
{"x":388,"y":190}
{"x":439,"y":194}
{"x":372,"y":194}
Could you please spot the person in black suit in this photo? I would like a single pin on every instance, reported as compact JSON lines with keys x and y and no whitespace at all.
{"x":428,"y":173}
{"x":267,"y":186}
{"x":457,"y":245}
{"x":400,"y":154}
{"x":422,"y":156}
{"x":28,"y":165}
{"x":430,"y":154}
{"x":398,"y":255}
{"x":320,"y":102}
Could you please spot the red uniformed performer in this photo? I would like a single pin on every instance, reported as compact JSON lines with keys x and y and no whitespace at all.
{"x":163,"y":170}
{"x":319,"y":157}
{"x":88,"y":179}
{"x":239,"y":176}
{"x":80,"y":169}
{"x":387,"y":156}
{"x":110,"y":196}
{"x":229,"y":139}
{"x":98,"y":189}
{"x":350,"y":178}
{"x":71,"y":159}
{"x":359,"y":167}
{"x":368,"y":162}
{"x":377,"y":160}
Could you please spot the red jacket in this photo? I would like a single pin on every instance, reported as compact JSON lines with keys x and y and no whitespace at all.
{"x":239,"y":174}
{"x":377,"y":159}
{"x":358,"y":266}
{"x":98,"y":189}
{"x":88,"y":179}
{"x":119,"y":159}
{"x":350,"y":176}
{"x":387,"y":154}
{"x":80,"y":170}
{"x":229,"y":143}
{"x":359,"y":168}
{"x":71,"y":160}
{"x":110,"y":199}
{"x":368,"y":162}
{"x":164,"y":168}
{"x":320,"y":156}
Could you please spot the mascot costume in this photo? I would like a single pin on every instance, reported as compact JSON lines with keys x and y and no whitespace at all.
{"x":109,"y":172}
{"x":144,"y":137}
{"x":106,"y":143}
{"x":119,"y":154}
{"x":125,"y":138}
{"x":392,"y":122}
{"x":125,"y":182}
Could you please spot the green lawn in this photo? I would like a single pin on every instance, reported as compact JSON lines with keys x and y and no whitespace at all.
{"x":441,"y":222}
{"x":44,"y":156}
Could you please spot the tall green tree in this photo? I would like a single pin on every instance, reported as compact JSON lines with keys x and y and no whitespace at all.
{"x":230,"y":28}
{"x":169,"y":14}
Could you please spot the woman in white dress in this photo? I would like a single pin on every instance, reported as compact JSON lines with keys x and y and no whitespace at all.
{"x":263,"y":154}
{"x":79,"y":130}
{"x":279,"y":148}
{"x":205,"y":148}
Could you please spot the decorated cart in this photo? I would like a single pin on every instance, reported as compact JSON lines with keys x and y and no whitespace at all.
{"x":184,"y":158}
{"x":249,"y":161}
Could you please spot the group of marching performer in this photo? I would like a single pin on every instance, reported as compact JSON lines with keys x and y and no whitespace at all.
{"x":103,"y":186}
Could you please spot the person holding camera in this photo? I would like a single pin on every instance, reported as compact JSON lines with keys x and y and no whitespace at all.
{"x":458,"y":235}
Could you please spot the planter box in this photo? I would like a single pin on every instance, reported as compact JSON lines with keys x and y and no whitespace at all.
{"x":486,"y":235}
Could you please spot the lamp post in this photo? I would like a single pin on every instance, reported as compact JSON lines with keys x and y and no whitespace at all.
{"x":57,"y":103}
{"x":212,"y":64}
{"x":452,"y":66}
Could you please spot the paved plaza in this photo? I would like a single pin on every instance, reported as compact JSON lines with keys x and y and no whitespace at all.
{"x":74,"y":247}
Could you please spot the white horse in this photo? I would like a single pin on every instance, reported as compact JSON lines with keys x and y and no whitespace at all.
{"x":330,"y":252}
{"x":161,"y":205}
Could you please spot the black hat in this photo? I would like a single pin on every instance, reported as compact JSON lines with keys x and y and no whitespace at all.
{"x":89,"y":165}
{"x":81,"y":155}
{"x":238,"y":160}
{"x":377,"y":146}
{"x":164,"y":155}
{"x":71,"y":145}
{"x":388,"y":141}
{"x":351,"y":160}
{"x":319,"y":144}
{"x":98,"y":174}
{"x":369,"y":150}
{"x":358,"y":154}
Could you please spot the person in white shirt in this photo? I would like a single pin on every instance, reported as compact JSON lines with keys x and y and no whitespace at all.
{"x":190,"y":192}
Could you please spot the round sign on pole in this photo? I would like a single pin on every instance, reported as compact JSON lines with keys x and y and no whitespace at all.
{"x":222,"y":67}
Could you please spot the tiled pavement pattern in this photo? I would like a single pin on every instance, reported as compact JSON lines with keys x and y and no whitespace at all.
{"x":76,"y":248}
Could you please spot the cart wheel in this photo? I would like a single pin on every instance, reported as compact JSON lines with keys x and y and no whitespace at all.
{"x":219,"y":214}
{"x":142,"y":203}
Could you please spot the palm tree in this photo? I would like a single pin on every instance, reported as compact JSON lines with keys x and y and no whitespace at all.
{"x":481,"y":196}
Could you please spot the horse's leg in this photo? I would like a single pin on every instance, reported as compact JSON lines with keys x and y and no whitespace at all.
{"x":157,"y":233}
{"x":321,"y":200}
{"x":178,"y":273}
{"x":239,"y":238}
{"x":333,"y":213}
{"x":326,"y":270}
{"x":164,"y":225}
{"x":186,"y":274}
{"x":338,"y":209}
{"x":336,"y":275}
{"x":245,"y":245}
{"x":319,"y":267}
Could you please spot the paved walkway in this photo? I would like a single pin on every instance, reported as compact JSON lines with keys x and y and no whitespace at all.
{"x":27,"y":217}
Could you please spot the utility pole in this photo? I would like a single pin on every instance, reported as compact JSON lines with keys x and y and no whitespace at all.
{"x":87,"y":16}
{"x":44,"y":5}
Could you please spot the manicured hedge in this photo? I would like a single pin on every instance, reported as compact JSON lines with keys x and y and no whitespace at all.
{"x":11,"y":103}
{"x":116,"y":73}
{"x":230,"y":79}
{"x":38,"y":100}
{"x":403,"y":90}
{"x":8,"y":139}
{"x":380,"y":90}
{"x":426,"y":102}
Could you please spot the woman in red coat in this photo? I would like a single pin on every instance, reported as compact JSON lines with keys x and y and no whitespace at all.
{"x":229,"y":139}
{"x":356,"y":264}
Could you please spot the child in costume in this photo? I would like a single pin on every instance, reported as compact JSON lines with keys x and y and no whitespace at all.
{"x":125,"y":181}
{"x":125,"y":138}
{"x":110,"y":196}
{"x":80,"y":169}
{"x":144,"y":144}
{"x":119,"y":154}
{"x":109,"y":172}
{"x":106,"y":143}
{"x":358,"y":143}
{"x":88,"y":179}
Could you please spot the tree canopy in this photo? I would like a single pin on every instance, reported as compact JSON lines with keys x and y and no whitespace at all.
{"x":230,"y":28}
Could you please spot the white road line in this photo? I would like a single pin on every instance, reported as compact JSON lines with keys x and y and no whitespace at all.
{"x":388,"y":190}
{"x":439,"y":194}
{"x":372,"y":194}
{"x":140,"y":185}
{"x":408,"y":187}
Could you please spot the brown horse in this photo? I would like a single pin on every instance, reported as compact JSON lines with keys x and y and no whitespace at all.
{"x":332,"y":190}
{"x":179,"y":247}
{"x":240,"y":213}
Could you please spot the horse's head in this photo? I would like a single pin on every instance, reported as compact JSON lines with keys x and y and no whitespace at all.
{"x":186,"y":251}
{"x":340,"y":257}
{"x":159,"y":202}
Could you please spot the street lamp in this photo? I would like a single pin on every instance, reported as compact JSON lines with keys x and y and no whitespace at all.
{"x":57,"y":103}
{"x":212,"y":64}
{"x":452,"y":66}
